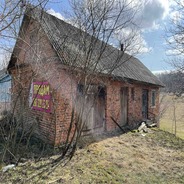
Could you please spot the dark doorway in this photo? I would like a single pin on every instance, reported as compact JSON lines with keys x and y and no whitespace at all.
{"x":94,"y":109}
{"x":99,"y":119}
{"x":145,"y":103}
{"x":124,"y":106}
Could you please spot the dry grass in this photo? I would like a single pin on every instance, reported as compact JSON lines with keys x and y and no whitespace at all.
{"x":153,"y":158}
{"x":130,"y":158}
{"x":167,"y":121}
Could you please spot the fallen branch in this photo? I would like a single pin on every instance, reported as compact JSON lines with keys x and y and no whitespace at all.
{"x":117,"y":124}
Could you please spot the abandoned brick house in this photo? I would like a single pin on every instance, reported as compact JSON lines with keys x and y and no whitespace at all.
{"x":48,"y":75}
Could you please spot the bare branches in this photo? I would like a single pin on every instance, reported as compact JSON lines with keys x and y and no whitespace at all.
{"x":175,"y":37}
{"x":52,"y":50}
{"x":11,"y":14}
{"x":102,"y":19}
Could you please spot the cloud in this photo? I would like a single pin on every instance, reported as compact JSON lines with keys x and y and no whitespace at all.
{"x":176,"y":16}
{"x":56,"y":14}
{"x":142,"y":45}
{"x":175,"y":45}
{"x":133,"y":41}
{"x":153,"y":11}
{"x":150,"y":12}
{"x":174,"y":52}
{"x":156,"y":72}
{"x":60,"y":16}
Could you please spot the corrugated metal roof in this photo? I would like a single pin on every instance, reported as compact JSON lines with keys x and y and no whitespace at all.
{"x":65,"y":37}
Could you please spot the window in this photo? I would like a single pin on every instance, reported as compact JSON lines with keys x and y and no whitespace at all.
{"x":153,"y":98}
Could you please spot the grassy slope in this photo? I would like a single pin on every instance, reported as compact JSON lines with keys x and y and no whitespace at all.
{"x":130,"y":158}
{"x":166,"y":122}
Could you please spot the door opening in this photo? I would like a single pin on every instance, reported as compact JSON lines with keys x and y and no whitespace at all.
{"x":145,"y":103}
{"x":124,"y":106}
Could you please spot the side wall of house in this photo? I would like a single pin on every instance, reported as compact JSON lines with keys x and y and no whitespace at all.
{"x":38,"y":62}
{"x":134,"y":106}
{"x":65,"y":85}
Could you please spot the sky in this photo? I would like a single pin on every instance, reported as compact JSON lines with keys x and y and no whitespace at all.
{"x":154,"y":17}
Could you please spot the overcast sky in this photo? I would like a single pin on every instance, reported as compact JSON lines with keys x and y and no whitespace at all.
{"x":154,"y":18}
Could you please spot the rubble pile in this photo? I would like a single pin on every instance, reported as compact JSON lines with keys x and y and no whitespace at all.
{"x":145,"y":126}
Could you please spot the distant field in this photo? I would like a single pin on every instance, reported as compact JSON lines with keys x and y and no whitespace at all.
{"x":167,"y":120}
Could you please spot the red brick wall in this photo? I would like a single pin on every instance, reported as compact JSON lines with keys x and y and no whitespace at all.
{"x":64,"y":101}
{"x":113,"y":104}
{"x":45,"y":66}
{"x":42,"y":64}
{"x":42,"y":123}
{"x":134,"y":106}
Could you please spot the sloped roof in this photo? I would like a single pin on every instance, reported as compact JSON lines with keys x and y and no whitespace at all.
{"x":64,"y":36}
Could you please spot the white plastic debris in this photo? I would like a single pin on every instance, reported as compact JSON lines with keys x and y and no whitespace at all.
{"x":6,"y":168}
{"x":143,"y":125}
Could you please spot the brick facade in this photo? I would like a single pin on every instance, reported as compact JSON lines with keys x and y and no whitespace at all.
{"x":40,"y":63}
{"x":113,"y":107}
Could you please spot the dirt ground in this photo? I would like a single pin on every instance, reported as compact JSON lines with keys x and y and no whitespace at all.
{"x":156,"y":157}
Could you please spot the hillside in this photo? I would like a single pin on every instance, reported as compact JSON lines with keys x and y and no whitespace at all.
{"x":173,"y":112}
{"x":156,"y":157}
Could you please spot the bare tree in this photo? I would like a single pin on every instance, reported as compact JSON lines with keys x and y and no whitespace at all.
{"x":98,"y":22}
{"x":174,"y":38}
{"x":85,"y":52}
{"x":173,"y":82}
{"x":11,"y":14}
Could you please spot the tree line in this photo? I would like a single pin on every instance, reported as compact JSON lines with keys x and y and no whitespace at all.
{"x":173,"y":81}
